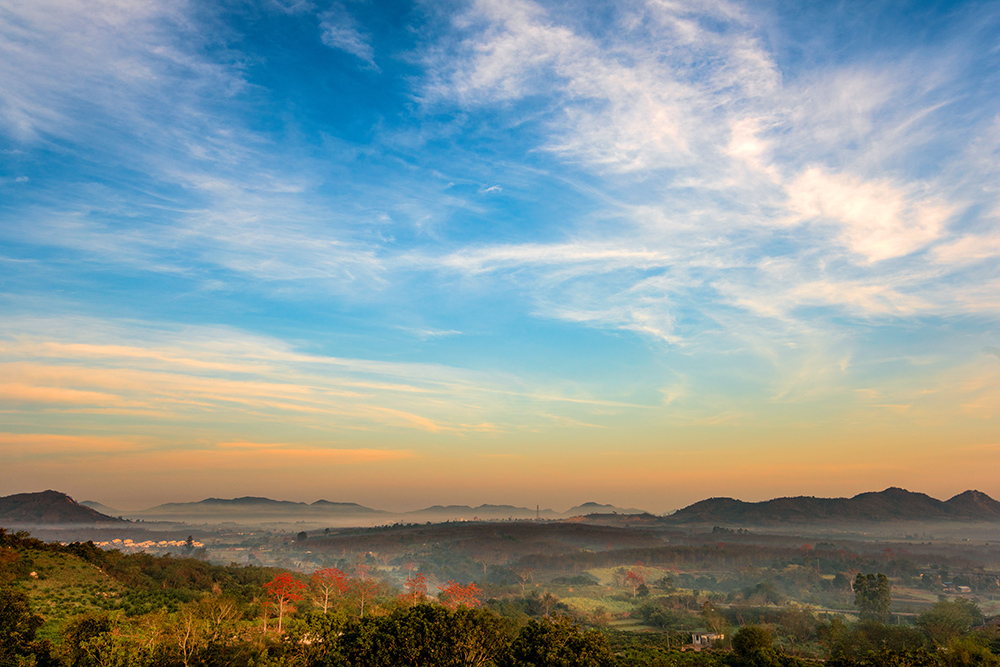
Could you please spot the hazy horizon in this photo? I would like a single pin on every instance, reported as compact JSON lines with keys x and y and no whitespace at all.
{"x":498,"y":251}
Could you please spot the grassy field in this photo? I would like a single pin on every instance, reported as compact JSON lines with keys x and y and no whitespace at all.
{"x":65,"y":586}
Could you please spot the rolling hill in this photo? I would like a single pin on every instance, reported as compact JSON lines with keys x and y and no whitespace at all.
{"x":892,"y":504}
{"x":48,"y":507}
{"x":254,"y":508}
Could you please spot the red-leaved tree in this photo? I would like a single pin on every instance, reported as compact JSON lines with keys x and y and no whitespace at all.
{"x":327,"y":584}
{"x":634,"y":579}
{"x":364,"y":586}
{"x":282,"y":591}
{"x":454,"y":595}
{"x":416,"y":588}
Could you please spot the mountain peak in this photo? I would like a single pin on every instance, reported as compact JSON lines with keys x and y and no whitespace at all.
{"x":48,"y":507}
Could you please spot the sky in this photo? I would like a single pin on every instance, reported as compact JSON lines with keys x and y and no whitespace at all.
{"x":498,"y":251}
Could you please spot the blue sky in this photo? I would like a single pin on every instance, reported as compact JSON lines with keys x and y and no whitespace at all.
{"x":401,"y":253}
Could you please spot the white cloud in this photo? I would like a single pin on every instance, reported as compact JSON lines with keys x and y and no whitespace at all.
{"x":340,"y":32}
{"x":67,"y":66}
{"x":647,"y":100}
{"x":878,"y":219}
{"x":968,"y":249}
{"x":54,"y":370}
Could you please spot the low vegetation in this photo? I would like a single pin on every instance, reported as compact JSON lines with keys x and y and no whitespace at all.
{"x":75,"y":605}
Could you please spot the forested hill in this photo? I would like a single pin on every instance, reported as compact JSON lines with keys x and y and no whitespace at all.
{"x":893,"y":504}
{"x":48,"y":507}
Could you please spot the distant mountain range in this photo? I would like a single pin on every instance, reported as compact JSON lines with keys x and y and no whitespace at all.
{"x":266,"y":509}
{"x":49,"y":507}
{"x":252,"y":505}
{"x":893,"y":504}
{"x":597,"y":508}
{"x":446,"y":512}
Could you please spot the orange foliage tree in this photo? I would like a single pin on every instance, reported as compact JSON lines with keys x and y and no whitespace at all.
{"x":454,"y":595}
{"x":329,"y":583}
{"x":282,"y":591}
{"x":364,"y":586}
{"x":633,"y":579}
{"x":416,"y":588}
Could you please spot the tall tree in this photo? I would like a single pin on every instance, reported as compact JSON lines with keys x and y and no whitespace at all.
{"x":633,"y":579}
{"x":364,"y":586}
{"x":282,"y":591}
{"x":416,"y":588}
{"x":524,"y":575}
{"x":327,"y":584}
{"x":872,"y":596}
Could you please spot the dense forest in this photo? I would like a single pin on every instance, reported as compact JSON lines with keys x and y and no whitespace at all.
{"x":76,"y":605}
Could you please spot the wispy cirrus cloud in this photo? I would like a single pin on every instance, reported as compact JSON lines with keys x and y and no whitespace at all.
{"x":646,"y":100}
{"x":705,"y":214}
{"x":753,"y":170}
{"x":340,"y":31}
{"x":70,"y":67}
{"x":228,"y":377}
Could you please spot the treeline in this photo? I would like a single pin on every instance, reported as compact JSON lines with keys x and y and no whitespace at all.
{"x":138,"y":571}
{"x":733,"y":556}
{"x":194,"y":613}
{"x":432,"y":635}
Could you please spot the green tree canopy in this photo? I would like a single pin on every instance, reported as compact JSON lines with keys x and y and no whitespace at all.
{"x":949,"y":618}
{"x":558,"y":643}
{"x":18,"y":626}
{"x":872,"y":596}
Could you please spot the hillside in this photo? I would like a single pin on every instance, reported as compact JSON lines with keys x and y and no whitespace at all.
{"x":257,"y":509}
{"x":892,"y":504}
{"x":598,"y":508}
{"x":48,"y":507}
{"x":483,"y":512}
{"x":102,"y":508}
{"x":250,"y":508}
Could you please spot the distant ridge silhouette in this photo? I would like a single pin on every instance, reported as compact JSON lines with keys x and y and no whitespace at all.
{"x":254,"y":505}
{"x":48,"y":507}
{"x":893,"y":504}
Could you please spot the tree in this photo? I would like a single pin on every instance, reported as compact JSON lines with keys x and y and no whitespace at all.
{"x":200,"y":630}
{"x":480,"y":636}
{"x":364,"y":587}
{"x":425,"y":634}
{"x":328,"y":583}
{"x":417,"y":635}
{"x":282,"y":591}
{"x":17,"y":630}
{"x":99,"y":640}
{"x":416,"y":587}
{"x":714,"y":620}
{"x":524,"y":575}
{"x":950,"y":618}
{"x":77,"y":634}
{"x":841,"y":582}
{"x":557,"y":643}
{"x":454,"y":595}
{"x":872,"y":596}
{"x":633,"y":579}
{"x":751,"y":638}
{"x":547,"y":602}
{"x":753,"y":646}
